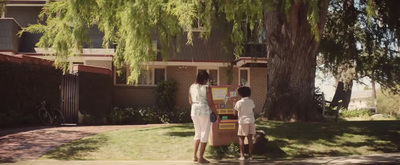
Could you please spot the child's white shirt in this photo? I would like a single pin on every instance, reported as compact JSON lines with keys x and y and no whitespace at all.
{"x":245,"y":108}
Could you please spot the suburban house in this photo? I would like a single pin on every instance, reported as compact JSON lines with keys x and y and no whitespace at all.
{"x":360,"y":99}
{"x":183,"y":66}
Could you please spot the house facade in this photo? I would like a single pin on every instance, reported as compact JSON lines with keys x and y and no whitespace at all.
{"x":183,"y":66}
{"x":360,"y":100}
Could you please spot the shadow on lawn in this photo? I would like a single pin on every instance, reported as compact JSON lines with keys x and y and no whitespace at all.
{"x":183,"y":130}
{"x":180,"y":134}
{"x":77,"y":150}
{"x":382,"y":136}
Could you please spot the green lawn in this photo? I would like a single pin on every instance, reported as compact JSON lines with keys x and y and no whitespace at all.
{"x":286,"y":140}
{"x":298,"y":140}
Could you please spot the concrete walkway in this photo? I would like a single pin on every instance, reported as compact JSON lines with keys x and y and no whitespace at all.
{"x":393,"y":158}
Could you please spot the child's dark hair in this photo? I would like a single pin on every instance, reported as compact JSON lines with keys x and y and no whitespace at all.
{"x":244,"y":91}
{"x":202,"y":77}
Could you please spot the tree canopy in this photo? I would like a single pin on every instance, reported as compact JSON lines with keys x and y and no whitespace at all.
{"x":353,"y":40}
{"x":2,"y":6}
{"x":360,"y":40}
{"x":132,"y":25}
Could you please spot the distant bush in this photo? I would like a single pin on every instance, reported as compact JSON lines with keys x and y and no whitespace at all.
{"x":356,"y":113}
{"x":148,"y":115}
{"x":387,"y":102}
{"x":166,"y":94}
{"x":15,"y":118}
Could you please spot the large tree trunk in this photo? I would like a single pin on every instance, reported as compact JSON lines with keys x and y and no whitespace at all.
{"x":346,"y":70}
{"x":342,"y":95}
{"x":398,"y":47}
{"x":374,"y":94}
{"x":291,"y":55}
{"x":398,"y":113}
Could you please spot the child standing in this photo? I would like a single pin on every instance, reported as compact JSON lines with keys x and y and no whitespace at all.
{"x":246,"y":120}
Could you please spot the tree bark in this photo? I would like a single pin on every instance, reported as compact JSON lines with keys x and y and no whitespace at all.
{"x":342,"y":95}
{"x":346,"y":69}
{"x":292,"y":51}
{"x":399,"y":105}
{"x":398,"y":47}
{"x":374,"y":95}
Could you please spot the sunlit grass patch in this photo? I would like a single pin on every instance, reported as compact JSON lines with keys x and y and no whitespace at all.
{"x":286,"y":140}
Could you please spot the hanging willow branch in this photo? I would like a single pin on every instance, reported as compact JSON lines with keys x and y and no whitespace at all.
{"x":132,"y":25}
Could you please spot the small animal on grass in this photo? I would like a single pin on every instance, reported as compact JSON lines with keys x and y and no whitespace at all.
{"x":260,"y":142}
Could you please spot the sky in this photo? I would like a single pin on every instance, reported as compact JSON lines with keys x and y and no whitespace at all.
{"x":328,"y":85}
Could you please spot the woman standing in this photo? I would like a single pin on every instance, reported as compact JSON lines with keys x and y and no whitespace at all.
{"x":201,"y":107}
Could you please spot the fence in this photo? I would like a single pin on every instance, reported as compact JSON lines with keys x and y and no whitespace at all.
{"x":24,"y":82}
{"x":87,"y":95}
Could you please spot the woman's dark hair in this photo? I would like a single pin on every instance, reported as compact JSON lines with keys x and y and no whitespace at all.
{"x":202,"y":77}
{"x":244,"y":91}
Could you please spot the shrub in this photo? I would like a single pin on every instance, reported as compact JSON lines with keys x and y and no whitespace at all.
{"x":387,"y":102}
{"x":181,"y":115}
{"x":166,"y":94}
{"x":90,"y":120}
{"x":141,"y":115}
{"x":129,"y":116}
{"x":14,"y":118}
{"x":148,"y":115}
{"x":116,"y":116}
{"x":356,"y":113}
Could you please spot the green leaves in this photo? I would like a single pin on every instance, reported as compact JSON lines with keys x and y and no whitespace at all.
{"x":240,"y":13}
{"x":313,"y":17}
{"x":355,"y":35}
{"x":135,"y":26}
{"x":2,"y":6}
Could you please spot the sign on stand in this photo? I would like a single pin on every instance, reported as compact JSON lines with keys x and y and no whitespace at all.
{"x":225,"y":131}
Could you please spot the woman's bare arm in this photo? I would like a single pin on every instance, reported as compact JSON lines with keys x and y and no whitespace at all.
{"x":190,"y":99}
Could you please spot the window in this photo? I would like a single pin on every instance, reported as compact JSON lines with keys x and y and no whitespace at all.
{"x":198,"y":24}
{"x":159,"y":75}
{"x":244,"y":77}
{"x":257,"y":35}
{"x":147,"y":77}
{"x":213,"y":75}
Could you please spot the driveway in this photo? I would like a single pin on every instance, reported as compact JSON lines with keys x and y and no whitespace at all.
{"x":31,"y":143}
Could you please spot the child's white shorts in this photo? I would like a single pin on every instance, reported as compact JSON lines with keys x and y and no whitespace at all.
{"x":246,"y":129}
{"x":202,"y":126}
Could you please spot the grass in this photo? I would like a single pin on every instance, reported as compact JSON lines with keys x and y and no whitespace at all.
{"x":286,"y":140}
{"x":366,"y":118}
{"x":158,"y":143}
{"x":299,"y":140}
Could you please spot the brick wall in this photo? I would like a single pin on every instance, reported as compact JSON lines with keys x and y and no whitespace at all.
{"x":235,"y":76}
{"x":223,"y":76}
{"x":98,"y":63}
{"x":131,"y":96}
{"x":258,"y":84}
{"x":145,"y":96}
{"x":184,"y":78}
